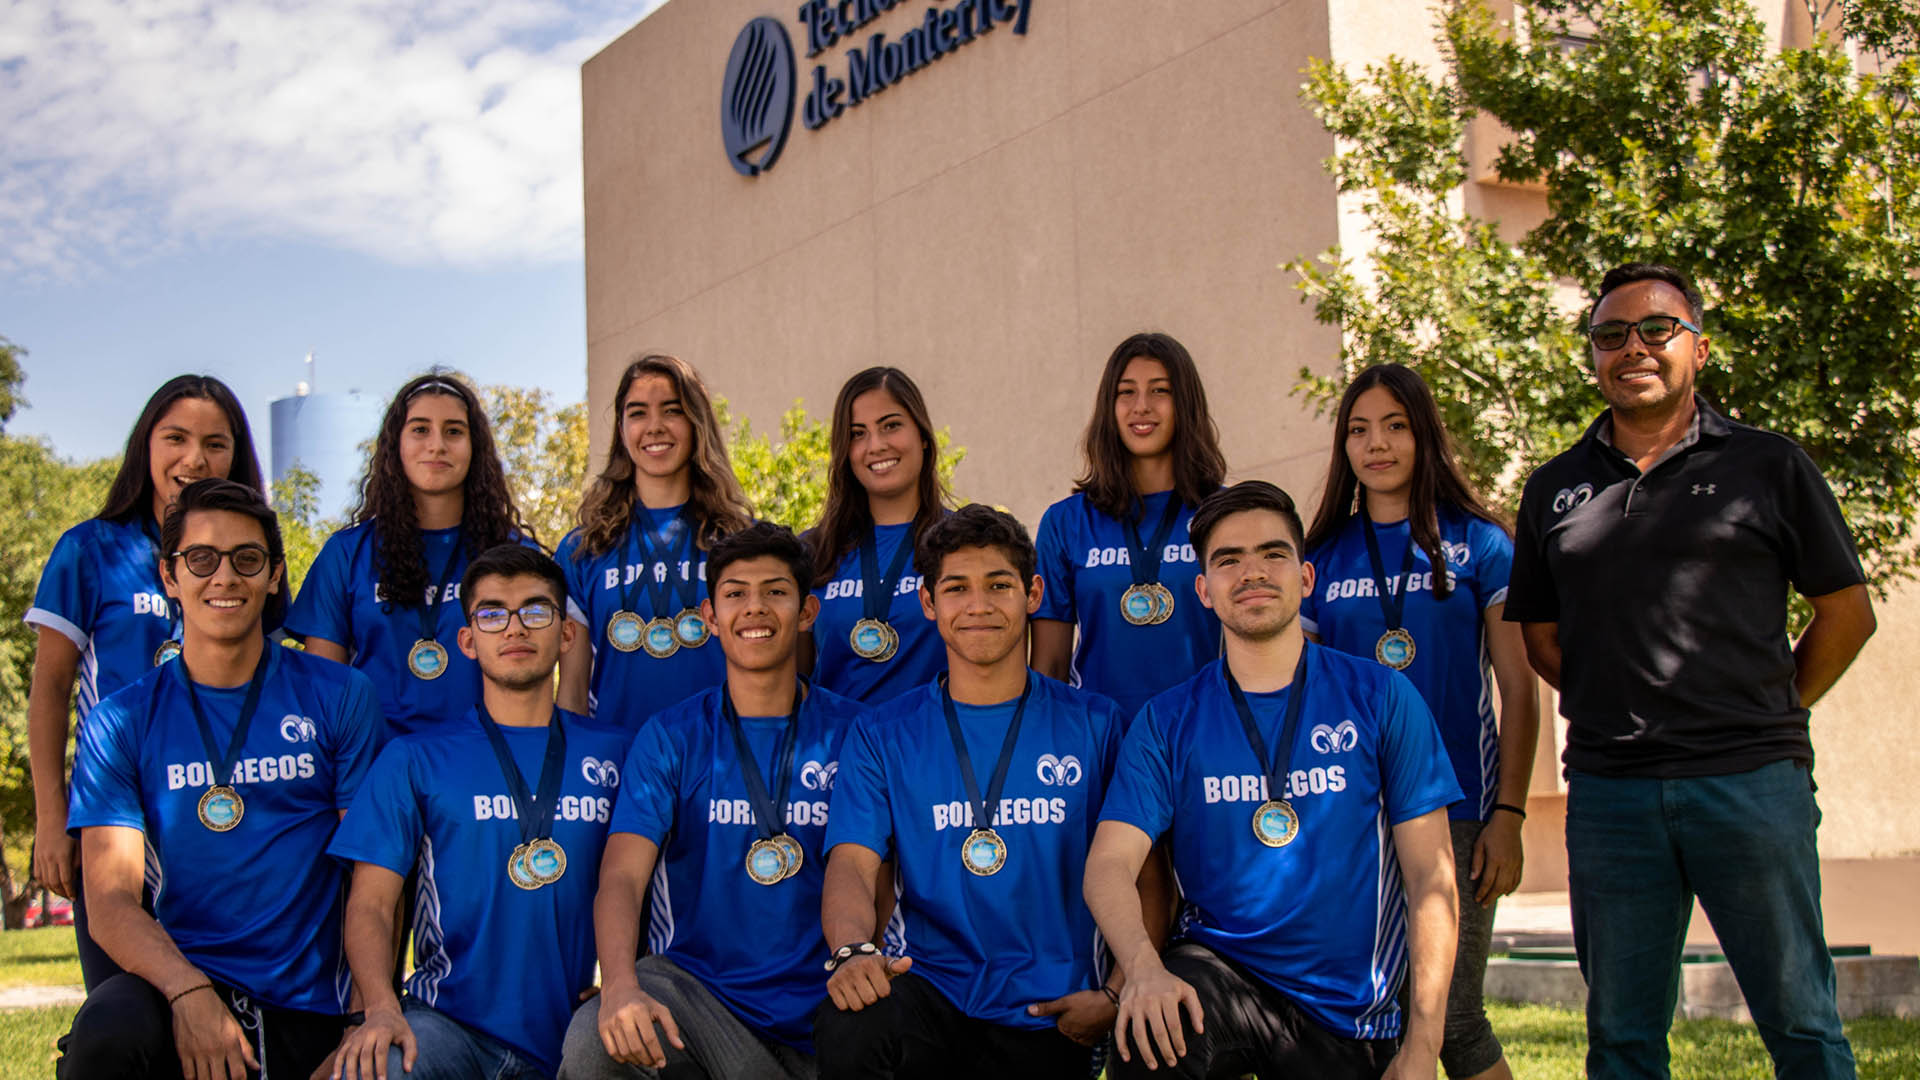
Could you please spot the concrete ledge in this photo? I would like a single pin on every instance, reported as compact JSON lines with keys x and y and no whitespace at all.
{"x":1867,"y":986}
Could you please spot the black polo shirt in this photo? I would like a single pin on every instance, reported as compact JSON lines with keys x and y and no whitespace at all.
{"x":1670,"y":591}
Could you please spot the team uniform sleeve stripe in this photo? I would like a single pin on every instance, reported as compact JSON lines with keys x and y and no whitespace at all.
{"x":576,"y":612}
{"x":76,"y":822}
{"x":1312,"y":626}
{"x":357,"y":853}
{"x":40,"y":616}
{"x":1499,"y":596}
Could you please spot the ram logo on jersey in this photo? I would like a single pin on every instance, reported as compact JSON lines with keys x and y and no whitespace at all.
{"x":570,"y":808}
{"x":253,"y":770}
{"x":599,"y":773}
{"x":854,"y":587}
{"x":634,"y":570}
{"x":740,"y":812}
{"x":297,"y":728}
{"x":1252,"y":788}
{"x":818,"y":776}
{"x":959,"y":815}
{"x":1334,"y":740}
{"x":152,"y":603}
{"x":1457,"y":554}
{"x":1119,"y":556}
{"x":1058,"y":771}
{"x":1567,"y":498}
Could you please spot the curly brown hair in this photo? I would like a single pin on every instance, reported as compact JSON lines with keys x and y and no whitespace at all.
{"x":488,"y":517}
{"x":715,"y":500}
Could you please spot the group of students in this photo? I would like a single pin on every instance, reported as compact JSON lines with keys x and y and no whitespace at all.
{"x":912,"y":794}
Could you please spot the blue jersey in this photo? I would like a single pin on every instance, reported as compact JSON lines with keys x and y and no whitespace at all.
{"x":757,"y":948}
{"x":1085,"y":563}
{"x":628,"y":687}
{"x":341,"y":601}
{"x":500,"y":959}
{"x":1451,"y":667}
{"x":991,"y":945}
{"x":921,"y":656}
{"x":257,"y":907}
{"x":1324,"y":919}
{"x":101,"y":590}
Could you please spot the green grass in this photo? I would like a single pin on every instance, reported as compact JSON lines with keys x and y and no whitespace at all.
{"x":26,"y":1039}
{"x":40,"y":957}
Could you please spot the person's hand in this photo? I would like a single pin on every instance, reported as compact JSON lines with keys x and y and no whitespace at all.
{"x":1497,"y":858}
{"x":54,"y":854}
{"x":363,"y":1050}
{"x":1150,"y":1010}
{"x":1085,"y":1017}
{"x":627,"y":1017}
{"x":863,"y":979}
{"x":209,"y":1039}
{"x":1413,"y":1063}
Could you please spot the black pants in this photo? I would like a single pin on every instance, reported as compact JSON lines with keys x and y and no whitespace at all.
{"x":124,"y":1031}
{"x":1252,"y":1028}
{"x":914,"y":1032}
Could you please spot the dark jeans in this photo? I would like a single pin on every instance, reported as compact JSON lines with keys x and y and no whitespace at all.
{"x":1639,"y":850}
{"x":450,"y":1050}
{"x":1251,"y":1028}
{"x":124,"y":1031}
{"x":914,"y":1032}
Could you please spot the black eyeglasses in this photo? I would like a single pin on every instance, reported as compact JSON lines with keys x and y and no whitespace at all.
{"x":1653,"y":330}
{"x":204,"y":559}
{"x":535,"y":616}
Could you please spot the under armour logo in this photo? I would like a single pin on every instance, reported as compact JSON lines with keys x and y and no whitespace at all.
{"x":1703,"y":489}
{"x":599,"y":773}
{"x":1058,"y":771}
{"x":1333,"y":740}
{"x":815,"y":776}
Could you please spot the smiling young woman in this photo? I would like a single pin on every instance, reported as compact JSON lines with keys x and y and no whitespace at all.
{"x":635,"y":566}
{"x":883,"y":489}
{"x":103,"y":618}
{"x":1412,"y":572}
{"x":384,"y":593}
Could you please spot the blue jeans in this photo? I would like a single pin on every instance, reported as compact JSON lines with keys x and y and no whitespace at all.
{"x":450,"y":1050}
{"x":1639,"y":850}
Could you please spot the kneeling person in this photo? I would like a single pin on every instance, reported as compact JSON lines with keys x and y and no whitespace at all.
{"x":984,"y":786}
{"x":225,"y":772}
{"x":724,"y":811}
{"x":504,"y":812}
{"x":1306,"y":795}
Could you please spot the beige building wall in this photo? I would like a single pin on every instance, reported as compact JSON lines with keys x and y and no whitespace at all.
{"x":997,"y":222}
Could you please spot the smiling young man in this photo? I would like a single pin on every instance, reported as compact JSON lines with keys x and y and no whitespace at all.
{"x":505,"y":813}
{"x":983,"y":787}
{"x":1651,"y":569}
{"x":723,"y":815}
{"x":217,"y":781}
{"x":1305,"y":792}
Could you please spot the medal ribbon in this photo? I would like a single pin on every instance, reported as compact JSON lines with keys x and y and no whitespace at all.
{"x":877,"y":596}
{"x":1394,"y":607}
{"x":1277,"y":766}
{"x":152,"y":532}
{"x":535,"y":811}
{"x":766,"y":810}
{"x":1144,"y":560}
{"x":248,"y":706}
{"x":430,"y":611}
{"x":984,"y":819}
{"x":661,"y":592}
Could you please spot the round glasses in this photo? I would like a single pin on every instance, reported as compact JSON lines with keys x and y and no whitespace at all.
{"x":203,"y":559}
{"x":535,"y":616}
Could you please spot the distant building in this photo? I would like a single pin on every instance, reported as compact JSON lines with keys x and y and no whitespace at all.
{"x":323,"y":432}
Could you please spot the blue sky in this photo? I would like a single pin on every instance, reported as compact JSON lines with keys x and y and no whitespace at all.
{"x":223,"y":187}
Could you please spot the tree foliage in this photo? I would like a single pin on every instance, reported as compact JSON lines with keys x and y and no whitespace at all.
{"x":786,"y":480}
{"x":296,"y":499}
{"x":1787,"y":183}
{"x":544,"y":451}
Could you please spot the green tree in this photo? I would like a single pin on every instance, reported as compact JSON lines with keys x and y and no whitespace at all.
{"x":1787,"y":183}
{"x":296,"y":498}
{"x":787,"y":480}
{"x":11,"y":376}
{"x":544,"y":451}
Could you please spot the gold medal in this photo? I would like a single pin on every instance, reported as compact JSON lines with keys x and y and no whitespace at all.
{"x":795,"y":854}
{"x":625,"y":631}
{"x":766,"y":863}
{"x":1394,"y":649}
{"x":519,"y":872}
{"x":1275,"y":824}
{"x":221,"y":808}
{"x":427,"y":659}
{"x":546,"y":860}
{"x":690,"y":630}
{"x":984,"y":853}
{"x":1139,"y":605}
{"x":1164,"y":597}
{"x":660,"y":638}
{"x":168,"y":649}
{"x":874,"y":640}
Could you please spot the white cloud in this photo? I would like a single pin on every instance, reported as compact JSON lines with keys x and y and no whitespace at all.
{"x":421,"y":131}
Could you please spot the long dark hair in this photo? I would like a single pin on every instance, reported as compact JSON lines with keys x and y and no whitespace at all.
{"x":132,"y":490}
{"x":715,"y":500}
{"x":847,"y":515}
{"x":1198,"y":465}
{"x":488,"y":516}
{"x":1437,"y":477}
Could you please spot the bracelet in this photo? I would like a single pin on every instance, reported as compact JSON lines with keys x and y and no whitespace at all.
{"x":1112,"y":994}
{"x":189,"y":990}
{"x":847,"y":952}
{"x":357,"y":1018}
{"x":1511,"y":809}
